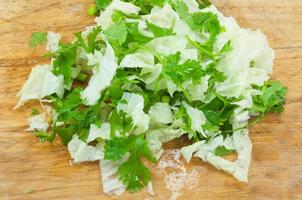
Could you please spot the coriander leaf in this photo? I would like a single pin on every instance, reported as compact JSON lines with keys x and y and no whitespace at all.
{"x":226,"y":48}
{"x":121,"y":122}
{"x":65,"y":59}
{"x":206,"y":22}
{"x":272,"y":98}
{"x":132,"y":172}
{"x":76,"y":117}
{"x":135,"y":35}
{"x":147,"y":5}
{"x":38,"y":38}
{"x":118,"y":16}
{"x":117,"y":33}
{"x":158,"y":31}
{"x":65,"y":134}
{"x":102,"y":4}
{"x":92,"y":43}
{"x":180,"y":73}
{"x":71,"y":101}
{"x":115,"y":148}
{"x":44,"y":136}
{"x":222,"y":151}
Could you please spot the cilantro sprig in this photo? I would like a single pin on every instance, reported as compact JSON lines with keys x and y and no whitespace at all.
{"x":132,"y":172}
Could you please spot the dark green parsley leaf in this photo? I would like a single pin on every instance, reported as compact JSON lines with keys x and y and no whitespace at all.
{"x":132,"y":173}
{"x":38,"y":38}
{"x":159,"y":31}
{"x":222,"y":151}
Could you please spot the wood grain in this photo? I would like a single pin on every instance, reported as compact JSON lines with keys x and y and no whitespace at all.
{"x":30,"y":170}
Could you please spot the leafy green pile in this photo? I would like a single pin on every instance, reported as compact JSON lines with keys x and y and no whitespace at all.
{"x":148,"y":66}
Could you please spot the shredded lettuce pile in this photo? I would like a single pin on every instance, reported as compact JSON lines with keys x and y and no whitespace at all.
{"x":149,"y":72}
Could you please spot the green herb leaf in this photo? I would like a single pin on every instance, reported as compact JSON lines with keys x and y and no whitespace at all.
{"x":158,"y":31}
{"x":65,"y":59}
{"x":132,"y":172}
{"x":117,"y":33}
{"x":102,"y":4}
{"x":272,"y":98}
{"x":37,"y":39}
{"x":121,"y":122}
{"x":222,"y":151}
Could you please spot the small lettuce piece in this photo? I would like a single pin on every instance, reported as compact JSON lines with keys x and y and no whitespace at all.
{"x":162,"y":17}
{"x":110,"y":180}
{"x":38,"y":123}
{"x":161,"y":113}
{"x":105,"y":18}
{"x":53,"y":40}
{"x":82,"y":152}
{"x":140,"y":59}
{"x":134,"y":107}
{"x":168,"y":45}
{"x":102,"y":132}
{"x":238,"y":142}
{"x":248,"y":47}
{"x":118,"y":33}
{"x":197,"y":92}
{"x":157,"y":137}
{"x":197,"y":118}
{"x":41,"y":83}
{"x":103,"y":74}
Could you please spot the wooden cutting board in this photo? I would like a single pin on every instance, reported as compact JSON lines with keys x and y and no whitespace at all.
{"x":30,"y":170}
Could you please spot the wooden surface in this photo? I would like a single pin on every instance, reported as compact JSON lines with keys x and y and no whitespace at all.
{"x":30,"y":170}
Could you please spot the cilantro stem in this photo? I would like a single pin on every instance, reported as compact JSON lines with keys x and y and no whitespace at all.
{"x":203,"y":50}
{"x":82,"y":77}
{"x":246,"y":126}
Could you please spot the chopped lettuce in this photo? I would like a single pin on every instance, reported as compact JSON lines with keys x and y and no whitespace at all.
{"x":103,"y":74}
{"x":38,"y":123}
{"x":41,"y":83}
{"x":82,"y":152}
